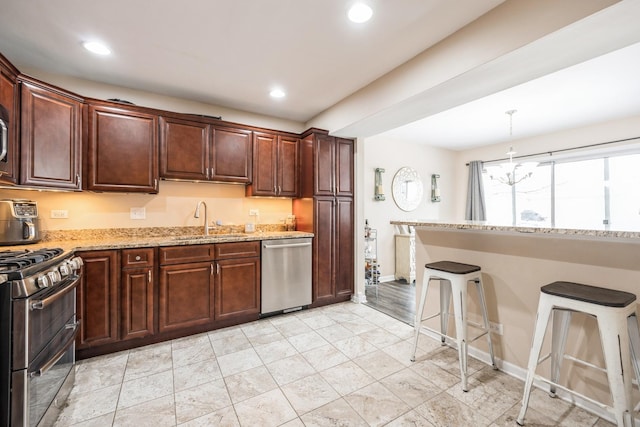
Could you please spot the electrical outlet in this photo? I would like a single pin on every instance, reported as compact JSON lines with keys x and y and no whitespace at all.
{"x":137,"y":213}
{"x":496,"y":328}
{"x":254,"y":212}
{"x":59,"y":213}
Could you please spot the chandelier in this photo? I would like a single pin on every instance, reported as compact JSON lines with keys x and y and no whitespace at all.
{"x":511,"y":173}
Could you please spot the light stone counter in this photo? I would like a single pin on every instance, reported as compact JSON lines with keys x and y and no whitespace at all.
{"x":486,"y":226}
{"x":104,"y":239}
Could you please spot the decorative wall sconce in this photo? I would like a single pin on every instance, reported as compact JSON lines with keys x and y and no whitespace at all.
{"x":379,"y":190}
{"x":435,"y":191}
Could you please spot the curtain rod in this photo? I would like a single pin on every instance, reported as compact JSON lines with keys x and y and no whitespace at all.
{"x":551,"y":153}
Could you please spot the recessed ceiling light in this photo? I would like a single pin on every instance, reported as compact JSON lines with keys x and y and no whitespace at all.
{"x":360,"y":13}
{"x":277,"y":93}
{"x":97,"y":48}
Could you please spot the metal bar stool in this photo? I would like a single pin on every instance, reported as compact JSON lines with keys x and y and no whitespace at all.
{"x":454,"y":277}
{"x":615,"y":312}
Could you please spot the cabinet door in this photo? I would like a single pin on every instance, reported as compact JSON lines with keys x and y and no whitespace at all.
{"x":50,"y":138}
{"x":10,"y":100}
{"x":137,"y":302}
{"x":264,"y":165}
{"x":186,"y":295}
{"x":97,"y":299}
{"x":237,"y":287}
{"x":288,"y":168}
{"x":324,"y":167}
{"x":344,"y":167}
{"x":323,"y":251}
{"x":184,"y":149}
{"x":122,"y":150}
{"x":344,"y":246}
{"x":231,"y":158}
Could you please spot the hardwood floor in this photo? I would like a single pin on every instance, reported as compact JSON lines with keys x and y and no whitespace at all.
{"x":397,"y":299}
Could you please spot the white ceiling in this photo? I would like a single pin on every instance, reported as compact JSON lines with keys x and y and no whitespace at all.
{"x":602,"y":89}
{"x":232,"y":52}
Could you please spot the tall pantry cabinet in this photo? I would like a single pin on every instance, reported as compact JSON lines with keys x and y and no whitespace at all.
{"x":325,"y":208}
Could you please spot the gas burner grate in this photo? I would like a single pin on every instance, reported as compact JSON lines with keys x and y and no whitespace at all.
{"x":16,"y":260}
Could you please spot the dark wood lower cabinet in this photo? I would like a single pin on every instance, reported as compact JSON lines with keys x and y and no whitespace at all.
{"x":97,"y":299}
{"x":137,"y":303}
{"x":237,"y":287}
{"x":122,"y":305}
{"x":185,"y":296}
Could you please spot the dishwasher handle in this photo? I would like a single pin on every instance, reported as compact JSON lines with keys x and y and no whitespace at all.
{"x":292,"y":245}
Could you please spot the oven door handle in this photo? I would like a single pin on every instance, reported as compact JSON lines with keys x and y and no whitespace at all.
{"x":4,"y":144}
{"x":51,"y":362}
{"x":41,"y":304}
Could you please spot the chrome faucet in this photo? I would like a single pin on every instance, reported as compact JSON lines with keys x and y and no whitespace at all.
{"x":206,"y":219}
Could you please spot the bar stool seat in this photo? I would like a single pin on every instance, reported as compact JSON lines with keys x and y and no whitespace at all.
{"x":454,"y":277}
{"x":615,"y":312}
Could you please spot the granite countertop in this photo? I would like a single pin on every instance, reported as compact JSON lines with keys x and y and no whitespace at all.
{"x":486,"y":226}
{"x":88,"y":240}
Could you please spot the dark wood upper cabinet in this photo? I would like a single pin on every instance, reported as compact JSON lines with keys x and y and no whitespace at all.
{"x":184,"y":149}
{"x":231,"y":159}
{"x":344,"y":167}
{"x":10,"y":100}
{"x":200,"y":151}
{"x":122,"y":149}
{"x":275,"y":165}
{"x":50,"y":137}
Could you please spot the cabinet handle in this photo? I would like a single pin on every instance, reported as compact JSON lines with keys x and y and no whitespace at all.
{"x":217,"y":268}
{"x":155,"y":183}
{"x":275,"y":189}
{"x":207,"y":174}
{"x":149,"y":276}
{"x":138,"y":258}
{"x":78,"y":179}
{"x":212,"y":269}
{"x":279,"y":189}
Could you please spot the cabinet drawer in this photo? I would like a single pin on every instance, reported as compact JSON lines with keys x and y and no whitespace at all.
{"x":140,"y":257}
{"x":185,"y":254}
{"x":237,"y":250}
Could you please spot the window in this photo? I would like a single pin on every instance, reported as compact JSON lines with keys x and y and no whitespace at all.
{"x":578,"y":193}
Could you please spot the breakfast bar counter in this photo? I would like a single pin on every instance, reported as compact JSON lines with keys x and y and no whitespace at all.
{"x":516,"y":261}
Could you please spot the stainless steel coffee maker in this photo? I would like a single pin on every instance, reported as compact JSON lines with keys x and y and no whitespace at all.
{"x":19,"y":222}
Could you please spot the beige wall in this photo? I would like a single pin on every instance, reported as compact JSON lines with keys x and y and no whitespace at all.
{"x":391,"y":156}
{"x":174,"y":205}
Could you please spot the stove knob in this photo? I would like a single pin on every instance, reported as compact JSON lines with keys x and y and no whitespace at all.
{"x":54,"y":277}
{"x":75,"y":263}
{"x":65,"y":270}
{"x":43,"y":282}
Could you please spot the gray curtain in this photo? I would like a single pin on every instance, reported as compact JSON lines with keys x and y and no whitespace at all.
{"x":475,"y":194}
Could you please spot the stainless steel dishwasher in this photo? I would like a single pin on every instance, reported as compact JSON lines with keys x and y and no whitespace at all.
{"x":286,"y":274}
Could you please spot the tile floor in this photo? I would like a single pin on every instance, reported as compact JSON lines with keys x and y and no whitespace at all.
{"x":341,"y":365}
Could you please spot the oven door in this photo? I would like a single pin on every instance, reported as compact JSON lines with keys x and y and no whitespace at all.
{"x":44,"y":332}
{"x":38,"y":393}
{"x":41,"y":323}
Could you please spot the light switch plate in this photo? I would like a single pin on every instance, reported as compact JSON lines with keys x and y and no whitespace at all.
{"x":138,"y":213}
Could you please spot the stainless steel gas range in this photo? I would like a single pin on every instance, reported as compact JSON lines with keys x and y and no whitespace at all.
{"x":37,"y":334}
